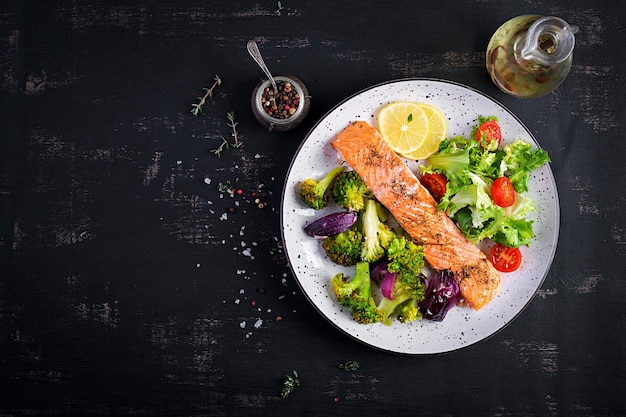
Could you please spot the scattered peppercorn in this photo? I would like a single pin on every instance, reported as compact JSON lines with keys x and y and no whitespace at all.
{"x":282,"y":104}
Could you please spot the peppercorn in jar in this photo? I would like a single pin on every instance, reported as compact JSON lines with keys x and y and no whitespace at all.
{"x":284,"y":108}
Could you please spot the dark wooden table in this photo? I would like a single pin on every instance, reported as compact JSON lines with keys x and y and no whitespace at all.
{"x":133,"y":283}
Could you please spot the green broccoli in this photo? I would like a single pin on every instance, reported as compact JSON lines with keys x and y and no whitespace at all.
{"x":344,"y":248}
{"x":404,"y":304}
{"x":405,"y":258}
{"x":410,"y":310}
{"x":405,"y":261}
{"x":350,"y":192}
{"x":376,"y":235}
{"x":313,"y":192}
{"x":356,"y":294}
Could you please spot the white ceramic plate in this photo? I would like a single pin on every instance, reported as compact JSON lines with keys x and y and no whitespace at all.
{"x":462,"y":326}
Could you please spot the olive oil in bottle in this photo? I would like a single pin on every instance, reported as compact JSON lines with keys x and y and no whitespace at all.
{"x":530,"y":55}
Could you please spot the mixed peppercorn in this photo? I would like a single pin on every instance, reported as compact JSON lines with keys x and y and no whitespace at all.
{"x":283,"y":103}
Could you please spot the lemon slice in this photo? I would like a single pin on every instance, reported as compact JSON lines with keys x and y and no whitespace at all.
{"x":437,"y":128}
{"x":403,"y":125}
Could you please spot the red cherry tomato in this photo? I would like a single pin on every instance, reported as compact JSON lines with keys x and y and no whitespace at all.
{"x":489,"y":135}
{"x":505,"y":259}
{"x":502,"y":192}
{"x":435,"y":184}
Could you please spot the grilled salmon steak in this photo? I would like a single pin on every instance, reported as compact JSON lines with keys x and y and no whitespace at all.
{"x":399,"y":190}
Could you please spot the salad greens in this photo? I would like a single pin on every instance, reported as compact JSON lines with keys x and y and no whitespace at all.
{"x":471,"y":171}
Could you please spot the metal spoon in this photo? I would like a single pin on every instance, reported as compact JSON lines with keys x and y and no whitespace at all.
{"x":253,"y":49}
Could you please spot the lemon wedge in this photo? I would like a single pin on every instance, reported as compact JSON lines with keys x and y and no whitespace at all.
{"x":403,"y":125}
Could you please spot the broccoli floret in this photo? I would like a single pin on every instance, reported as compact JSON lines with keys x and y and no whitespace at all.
{"x":356,"y":294}
{"x":376,"y":235}
{"x":344,"y":248}
{"x":313,"y":192}
{"x":406,"y":292}
{"x":409,"y":311}
{"x":406,"y":259}
{"x":404,"y":305}
{"x":350,"y":192}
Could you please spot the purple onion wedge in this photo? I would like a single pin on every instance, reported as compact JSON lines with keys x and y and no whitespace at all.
{"x":442,"y":294}
{"x":331,"y":224}
{"x":385,"y":279}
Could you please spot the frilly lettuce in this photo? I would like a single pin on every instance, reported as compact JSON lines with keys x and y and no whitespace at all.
{"x":471,"y":170}
{"x":519,"y":160}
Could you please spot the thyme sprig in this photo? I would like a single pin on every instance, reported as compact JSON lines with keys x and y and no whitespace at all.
{"x":224,"y":145}
{"x":289,"y":384}
{"x":349,"y":365}
{"x":232,"y":123}
{"x":234,"y":133}
{"x":196,"y":108}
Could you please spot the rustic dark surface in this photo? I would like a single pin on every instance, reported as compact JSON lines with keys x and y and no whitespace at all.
{"x":127,"y":285}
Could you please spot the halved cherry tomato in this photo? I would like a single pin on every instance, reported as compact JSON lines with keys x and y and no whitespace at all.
{"x":435,"y":184}
{"x":489,"y":135}
{"x":504,"y":258}
{"x":502,"y":192}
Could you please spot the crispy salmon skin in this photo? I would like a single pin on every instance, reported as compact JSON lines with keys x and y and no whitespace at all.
{"x":399,"y":190}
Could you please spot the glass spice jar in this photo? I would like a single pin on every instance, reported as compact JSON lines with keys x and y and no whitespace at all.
{"x":284,"y":109}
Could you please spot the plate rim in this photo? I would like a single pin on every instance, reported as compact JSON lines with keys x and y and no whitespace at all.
{"x":304,"y":142}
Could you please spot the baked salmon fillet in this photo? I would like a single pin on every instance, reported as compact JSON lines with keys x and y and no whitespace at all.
{"x":399,"y":190}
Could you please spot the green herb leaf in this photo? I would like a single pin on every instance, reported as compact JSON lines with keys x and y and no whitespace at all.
{"x":222,"y":188}
{"x":349,"y":365}
{"x":410,"y":118}
{"x":289,"y":384}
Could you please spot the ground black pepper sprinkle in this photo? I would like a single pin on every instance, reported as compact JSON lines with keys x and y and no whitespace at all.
{"x":283,"y":104}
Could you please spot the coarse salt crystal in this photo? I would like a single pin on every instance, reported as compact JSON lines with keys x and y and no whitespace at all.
{"x":258,"y":323}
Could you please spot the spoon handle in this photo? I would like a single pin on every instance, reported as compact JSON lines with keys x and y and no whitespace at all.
{"x":253,"y":49}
